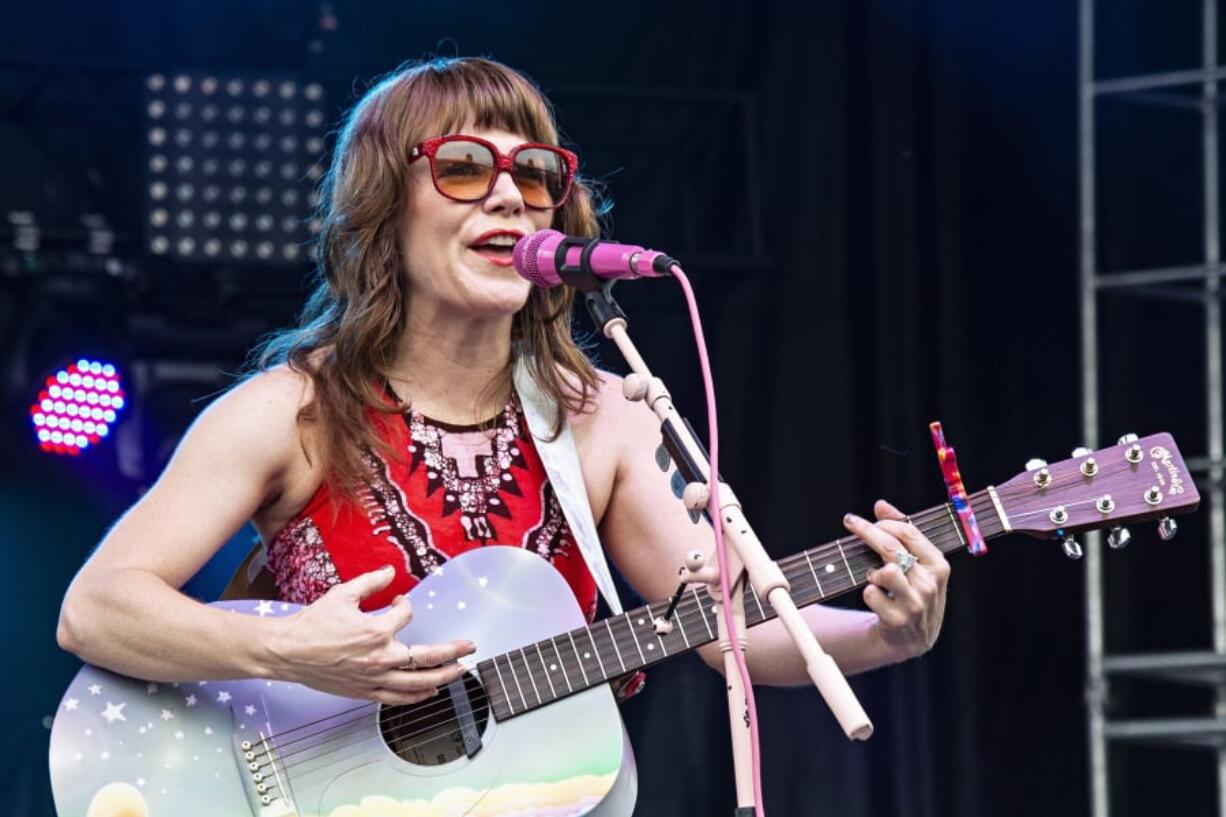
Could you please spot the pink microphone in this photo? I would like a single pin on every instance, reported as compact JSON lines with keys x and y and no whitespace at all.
{"x":548,"y":258}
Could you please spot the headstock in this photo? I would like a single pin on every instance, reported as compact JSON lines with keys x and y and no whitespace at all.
{"x":1133,"y":481}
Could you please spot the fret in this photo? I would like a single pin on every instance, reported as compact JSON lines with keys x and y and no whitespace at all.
{"x":677,"y":617}
{"x":616,"y":649}
{"x":578,"y":660}
{"x":531,"y":676}
{"x":562,"y":664}
{"x":850,"y":575}
{"x":634,"y":635}
{"x":515,"y":678}
{"x":754,"y":593}
{"x":647,"y":619}
{"x":596,"y":650}
{"x":545,"y":669}
{"x":660,"y":638}
{"x":510,"y":667}
{"x":502,"y":683}
{"x":953,"y":520}
{"x":492,"y":683}
{"x":702,"y":612}
{"x":816,"y":580}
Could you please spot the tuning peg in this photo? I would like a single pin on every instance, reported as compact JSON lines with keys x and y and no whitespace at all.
{"x":1035,"y":463}
{"x":1080,"y":451}
{"x":1118,"y":538}
{"x":1071,"y":548}
{"x":1167,"y":528}
{"x":1128,"y":438}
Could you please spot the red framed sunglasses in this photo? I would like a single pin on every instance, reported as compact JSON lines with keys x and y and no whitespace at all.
{"x":464,"y":168}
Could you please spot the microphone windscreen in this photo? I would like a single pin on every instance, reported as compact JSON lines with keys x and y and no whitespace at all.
{"x":526,"y":257}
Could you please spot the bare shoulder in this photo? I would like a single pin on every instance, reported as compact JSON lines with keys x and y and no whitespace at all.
{"x":265,"y":405}
{"x":608,"y":412}
{"x":265,"y":410}
{"x":609,"y":432}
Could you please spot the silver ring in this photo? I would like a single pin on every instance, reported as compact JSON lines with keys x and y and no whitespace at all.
{"x":906,"y":560}
{"x":412,"y":665}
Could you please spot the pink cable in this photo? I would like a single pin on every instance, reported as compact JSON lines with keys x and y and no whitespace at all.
{"x":713,"y":508}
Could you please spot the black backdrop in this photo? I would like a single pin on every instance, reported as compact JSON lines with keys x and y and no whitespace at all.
{"x":916,"y":168}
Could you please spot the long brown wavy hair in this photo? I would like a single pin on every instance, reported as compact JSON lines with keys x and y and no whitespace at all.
{"x":348,"y":330}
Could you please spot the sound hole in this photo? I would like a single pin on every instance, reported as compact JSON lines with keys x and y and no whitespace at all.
{"x":429,"y":733}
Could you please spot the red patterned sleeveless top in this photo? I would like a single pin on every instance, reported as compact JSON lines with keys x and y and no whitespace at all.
{"x":450,"y":489}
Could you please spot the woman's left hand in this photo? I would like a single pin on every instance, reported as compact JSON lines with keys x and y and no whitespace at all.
{"x":910,"y":605}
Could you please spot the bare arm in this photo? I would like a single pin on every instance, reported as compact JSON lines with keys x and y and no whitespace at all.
{"x":124,"y":612}
{"x":649,"y":533}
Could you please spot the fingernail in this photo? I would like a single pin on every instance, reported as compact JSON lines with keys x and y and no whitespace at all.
{"x":386,"y":568}
{"x":850,"y":519}
{"x":471,"y":646}
{"x":869,"y":575}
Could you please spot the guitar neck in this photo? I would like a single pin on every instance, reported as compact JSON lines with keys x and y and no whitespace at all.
{"x":538,"y":674}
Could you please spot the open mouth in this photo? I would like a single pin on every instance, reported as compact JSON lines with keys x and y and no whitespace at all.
{"x":495,"y":253}
{"x":496,"y":247}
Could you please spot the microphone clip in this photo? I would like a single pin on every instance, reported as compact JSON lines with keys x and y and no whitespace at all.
{"x":600,"y":304}
{"x":578,"y":275}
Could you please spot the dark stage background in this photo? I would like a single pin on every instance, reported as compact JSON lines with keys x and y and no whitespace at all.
{"x":904,"y":248}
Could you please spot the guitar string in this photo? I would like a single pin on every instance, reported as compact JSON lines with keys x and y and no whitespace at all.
{"x":796,"y":561}
{"x":945,"y":541}
{"x":794,"y":564}
{"x":923,"y":516}
{"x":954,"y":542}
{"x":792,"y":561}
{"x":403,"y":732}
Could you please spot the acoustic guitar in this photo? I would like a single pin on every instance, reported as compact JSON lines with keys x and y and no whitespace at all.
{"x":532,"y":728}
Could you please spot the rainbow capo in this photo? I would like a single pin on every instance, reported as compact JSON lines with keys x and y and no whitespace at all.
{"x":957,"y":491}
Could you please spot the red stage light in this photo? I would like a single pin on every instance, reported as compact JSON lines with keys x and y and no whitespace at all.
{"x":77,"y":407}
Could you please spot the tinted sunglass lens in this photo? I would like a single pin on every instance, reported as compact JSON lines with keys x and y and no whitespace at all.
{"x":542,"y":177}
{"x":463,"y":169}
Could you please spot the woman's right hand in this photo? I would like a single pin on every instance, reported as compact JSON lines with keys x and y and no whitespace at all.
{"x":332,"y":646}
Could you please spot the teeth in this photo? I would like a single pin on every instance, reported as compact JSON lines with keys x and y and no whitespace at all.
{"x":500,"y":241}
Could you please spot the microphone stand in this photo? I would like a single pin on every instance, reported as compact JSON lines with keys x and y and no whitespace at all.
{"x":746,"y":558}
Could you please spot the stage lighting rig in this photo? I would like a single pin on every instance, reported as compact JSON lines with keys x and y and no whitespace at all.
{"x":231,"y":167}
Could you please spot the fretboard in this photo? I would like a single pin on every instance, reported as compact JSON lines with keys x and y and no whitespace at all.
{"x":538,"y":674}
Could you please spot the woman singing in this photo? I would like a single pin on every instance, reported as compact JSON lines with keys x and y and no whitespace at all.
{"x":407,"y":419}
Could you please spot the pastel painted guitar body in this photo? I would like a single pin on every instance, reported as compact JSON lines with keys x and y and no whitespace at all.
{"x":127,"y":748}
